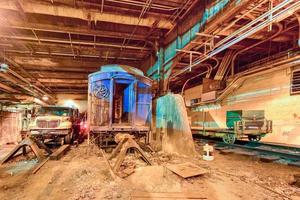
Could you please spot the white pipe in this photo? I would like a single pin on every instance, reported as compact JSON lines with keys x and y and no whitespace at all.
{"x":243,"y":76}
{"x":276,"y":18}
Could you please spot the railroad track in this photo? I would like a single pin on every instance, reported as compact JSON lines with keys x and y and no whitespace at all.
{"x":264,"y":151}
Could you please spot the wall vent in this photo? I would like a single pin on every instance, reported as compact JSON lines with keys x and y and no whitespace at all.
{"x":295,"y":82}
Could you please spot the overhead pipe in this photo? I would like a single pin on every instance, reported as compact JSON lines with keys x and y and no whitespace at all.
{"x":258,"y":19}
{"x":14,"y":81}
{"x":12,"y":62}
{"x":28,"y":82}
{"x":177,"y":15}
{"x":141,"y":4}
{"x":279,"y":31}
{"x":208,"y":71}
{"x":224,"y":63}
{"x":93,"y":33}
{"x":29,"y":89}
{"x":244,"y":14}
{"x":69,"y":42}
{"x":7,"y":88}
{"x":282,"y":14}
{"x":146,"y":7}
{"x":255,"y":72}
{"x":83,"y":14}
{"x":69,"y":55}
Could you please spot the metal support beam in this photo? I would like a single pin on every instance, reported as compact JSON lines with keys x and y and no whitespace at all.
{"x":279,"y":12}
{"x":34,"y":33}
{"x":78,"y":13}
{"x":62,"y":41}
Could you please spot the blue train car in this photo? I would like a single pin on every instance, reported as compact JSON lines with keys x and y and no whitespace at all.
{"x":119,"y":100}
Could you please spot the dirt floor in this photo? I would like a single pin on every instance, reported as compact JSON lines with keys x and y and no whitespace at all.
{"x":84,"y":174}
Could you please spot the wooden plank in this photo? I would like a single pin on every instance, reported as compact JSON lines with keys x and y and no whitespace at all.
{"x":60,"y":152}
{"x":40,"y":165}
{"x":166,"y":195}
{"x":108,"y":166}
{"x":186,"y":170}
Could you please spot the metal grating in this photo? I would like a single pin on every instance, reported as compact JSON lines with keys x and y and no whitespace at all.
{"x":295,"y":82}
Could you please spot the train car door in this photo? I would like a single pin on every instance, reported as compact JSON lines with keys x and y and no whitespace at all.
{"x":122,"y":102}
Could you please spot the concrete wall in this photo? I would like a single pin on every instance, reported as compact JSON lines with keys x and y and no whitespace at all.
{"x":269,"y":92}
{"x":78,"y":101}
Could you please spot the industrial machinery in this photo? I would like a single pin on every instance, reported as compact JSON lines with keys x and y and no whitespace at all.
{"x":119,"y":101}
{"x":58,"y":123}
{"x":241,"y":124}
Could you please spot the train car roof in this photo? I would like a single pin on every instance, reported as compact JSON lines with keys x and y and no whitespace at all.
{"x":119,"y":68}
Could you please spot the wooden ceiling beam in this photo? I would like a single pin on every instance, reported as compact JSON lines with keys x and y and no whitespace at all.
{"x":73,"y":42}
{"x":50,"y":46}
{"x":85,"y":31}
{"x":66,"y":85}
{"x":13,"y":52}
{"x":69,"y":91}
{"x":59,"y":75}
{"x":31,"y":7}
{"x":64,"y":81}
{"x":62,"y":69}
{"x":7,"y":88}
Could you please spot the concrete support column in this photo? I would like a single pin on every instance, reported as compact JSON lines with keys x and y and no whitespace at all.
{"x":161,"y":74}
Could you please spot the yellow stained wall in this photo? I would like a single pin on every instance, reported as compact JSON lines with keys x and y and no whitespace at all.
{"x":78,"y":101}
{"x":269,"y":92}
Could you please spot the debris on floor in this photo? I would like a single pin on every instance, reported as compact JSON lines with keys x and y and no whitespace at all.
{"x":296,"y":180}
{"x":126,"y":169}
{"x":187,"y":170}
{"x":166,"y":195}
{"x":83,"y":174}
{"x":126,"y":143}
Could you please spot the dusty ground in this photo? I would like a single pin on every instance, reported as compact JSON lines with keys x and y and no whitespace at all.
{"x":83,"y":174}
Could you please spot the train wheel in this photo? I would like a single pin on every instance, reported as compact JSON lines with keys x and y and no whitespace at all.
{"x":254,"y":138}
{"x":229,"y":138}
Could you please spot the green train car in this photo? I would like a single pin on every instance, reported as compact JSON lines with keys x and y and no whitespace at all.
{"x":241,"y":124}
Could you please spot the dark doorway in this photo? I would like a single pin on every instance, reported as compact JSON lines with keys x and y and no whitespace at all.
{"x":121,"y":104}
